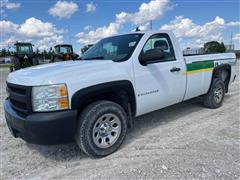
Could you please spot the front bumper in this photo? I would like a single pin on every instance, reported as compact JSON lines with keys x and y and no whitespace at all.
{"x":42,"y":128}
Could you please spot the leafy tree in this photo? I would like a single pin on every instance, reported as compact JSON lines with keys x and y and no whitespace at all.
{"x":214,"y":47}
{"x":49,"y":54}
{"x":223,"y":48}
{"x":237,"y":52}
{"x":3,"y":52}
{"x":37,"y":51}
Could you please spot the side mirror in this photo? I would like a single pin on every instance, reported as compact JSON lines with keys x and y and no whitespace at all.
{"x":151,"y":56}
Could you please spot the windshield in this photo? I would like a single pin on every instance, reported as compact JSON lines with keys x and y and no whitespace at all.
{"x":117,"y":48}
{"x":25,"y":49}
{"x":65,"y":49}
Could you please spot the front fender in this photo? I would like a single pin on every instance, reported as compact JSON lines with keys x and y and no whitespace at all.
{"x":82,"y":96}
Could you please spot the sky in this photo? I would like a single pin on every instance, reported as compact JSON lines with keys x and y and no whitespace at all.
{"x":46,"y":23}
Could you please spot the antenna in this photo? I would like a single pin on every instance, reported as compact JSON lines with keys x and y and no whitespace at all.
{"x":137,"y":29}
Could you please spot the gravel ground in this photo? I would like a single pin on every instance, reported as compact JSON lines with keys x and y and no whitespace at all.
{"x":185,"y":141}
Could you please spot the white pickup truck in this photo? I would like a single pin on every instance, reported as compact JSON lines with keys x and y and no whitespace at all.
{"x":95,"y":99}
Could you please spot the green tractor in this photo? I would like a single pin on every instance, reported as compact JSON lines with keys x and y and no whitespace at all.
{"x":23,"y":57}
{"x":63,"y":52}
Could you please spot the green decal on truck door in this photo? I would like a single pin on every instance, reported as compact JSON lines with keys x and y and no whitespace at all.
{"x":200,"y":66}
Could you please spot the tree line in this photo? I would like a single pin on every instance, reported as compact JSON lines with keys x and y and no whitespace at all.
{"x":42,"y":54}
{"x":209,"y":47}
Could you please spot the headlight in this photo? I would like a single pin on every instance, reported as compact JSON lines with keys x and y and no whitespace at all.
{"x":50,"y":98}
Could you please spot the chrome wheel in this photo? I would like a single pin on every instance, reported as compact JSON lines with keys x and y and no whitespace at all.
{"x":218,"y":94}
{"x":106,"y":130}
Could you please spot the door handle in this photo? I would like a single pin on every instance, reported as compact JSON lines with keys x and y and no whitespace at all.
{"x":175,"y":69}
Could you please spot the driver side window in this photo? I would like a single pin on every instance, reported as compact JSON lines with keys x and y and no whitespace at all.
{"x":161,"y":41}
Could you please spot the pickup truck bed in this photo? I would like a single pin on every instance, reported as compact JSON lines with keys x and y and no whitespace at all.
{"x":200,"y":70}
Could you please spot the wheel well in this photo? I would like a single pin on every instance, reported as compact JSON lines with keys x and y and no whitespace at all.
{"x":223,"y":72}
{"x":120,"y":92}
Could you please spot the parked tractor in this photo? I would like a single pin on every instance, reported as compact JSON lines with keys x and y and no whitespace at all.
{"x":23,"y":57}
{"x":63,"y":52}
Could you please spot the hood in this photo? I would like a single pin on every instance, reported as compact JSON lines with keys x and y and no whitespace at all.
{"x":56,"y":72}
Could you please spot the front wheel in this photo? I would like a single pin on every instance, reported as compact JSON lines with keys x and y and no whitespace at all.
{"x":101,"y":129}
{"x":214,"y":98}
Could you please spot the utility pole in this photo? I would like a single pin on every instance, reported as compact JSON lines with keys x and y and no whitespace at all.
{"x":69,"y":35}
{"x":231,"y":40}
{"x":8,"y":46}
{"x":151,"y":24}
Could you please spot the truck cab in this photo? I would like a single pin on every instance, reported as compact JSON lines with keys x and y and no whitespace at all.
{"x":164,"y":74}
{"x":95,"y":100}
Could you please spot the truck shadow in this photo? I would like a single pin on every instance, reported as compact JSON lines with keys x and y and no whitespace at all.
{"x":144,"y":123}
{"x":61,"y":152}
{"x":161,"y":117}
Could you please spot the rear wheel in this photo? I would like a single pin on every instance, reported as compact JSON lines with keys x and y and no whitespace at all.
{"x":16,"y":64}
{"x":56,"y":59}
{"x":35,"y":61}
{"x":102,"y":128}
{"x":214,"y":98}
{"x":11,"y":68}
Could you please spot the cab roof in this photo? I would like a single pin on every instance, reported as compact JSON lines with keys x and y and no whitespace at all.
{"x":23,"y":43}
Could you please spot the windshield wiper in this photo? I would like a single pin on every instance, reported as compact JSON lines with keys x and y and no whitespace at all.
{"x":97,"y":57}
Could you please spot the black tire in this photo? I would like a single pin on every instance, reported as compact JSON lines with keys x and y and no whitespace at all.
{"x":16,"y":64}
{"x":56,"y":59}
{"x":214,"y":99}
{"x":11,"y":68}
{"x":87,"y":120}
{"x":35,"y":61}
{"x":52,"y":59}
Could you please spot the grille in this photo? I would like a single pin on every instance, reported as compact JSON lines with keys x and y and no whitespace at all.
{"x":20,"y":98}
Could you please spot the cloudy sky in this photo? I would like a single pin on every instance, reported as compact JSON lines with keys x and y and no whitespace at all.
{"x":79,"y":22}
